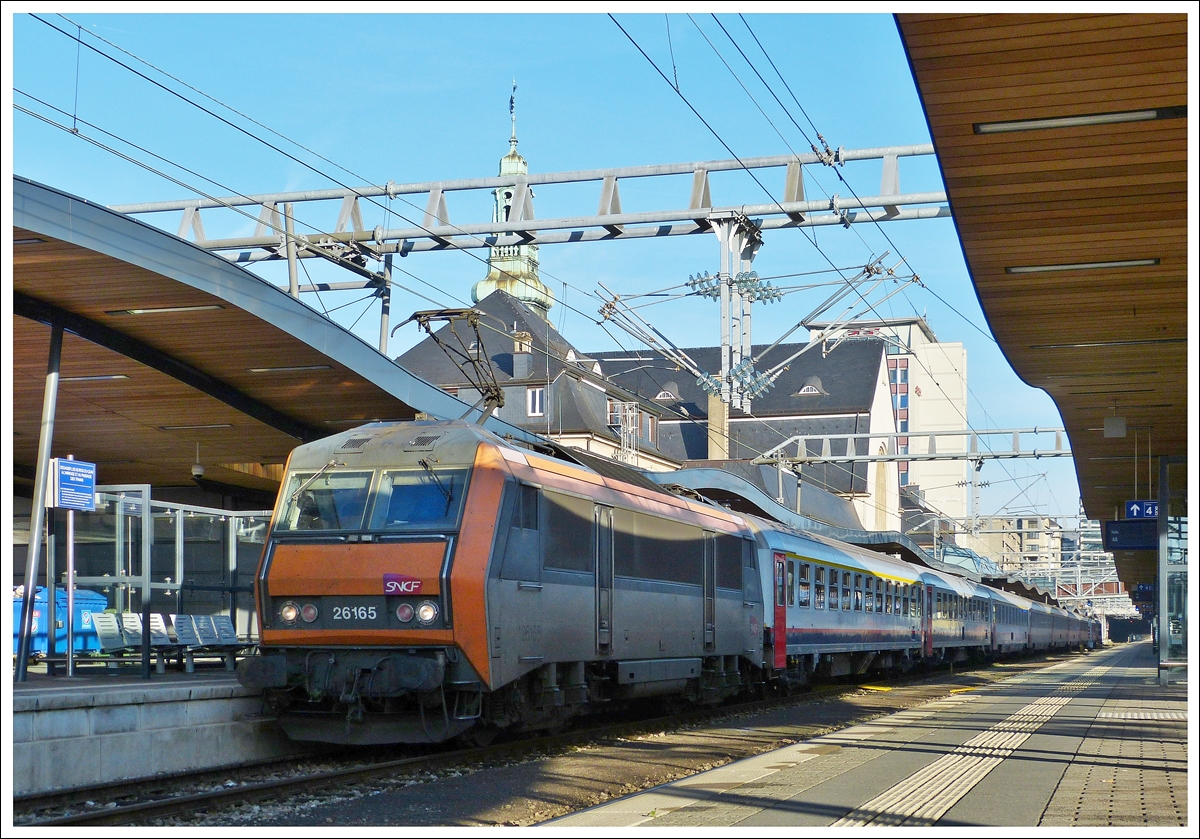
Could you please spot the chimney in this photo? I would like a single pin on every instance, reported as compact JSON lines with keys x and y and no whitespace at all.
{"x":522,"y":355}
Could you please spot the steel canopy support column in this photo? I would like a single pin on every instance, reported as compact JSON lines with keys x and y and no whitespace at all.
{"x":385,"y":299}
{"x":290,"y":229}
{"x":38,"y":514}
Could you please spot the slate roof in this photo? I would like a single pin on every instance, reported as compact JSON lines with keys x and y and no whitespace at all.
{"x":571,"y":405}
{"x":845,"y":379}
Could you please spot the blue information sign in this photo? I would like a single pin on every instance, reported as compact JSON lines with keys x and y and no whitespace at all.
{"x":73,"y":484}
{"x":1141,"y":509}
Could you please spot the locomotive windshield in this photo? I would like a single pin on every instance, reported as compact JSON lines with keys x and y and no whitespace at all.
{"x":425,"y":497}
{"x":430,"y":496}
{"x":325,"y":501}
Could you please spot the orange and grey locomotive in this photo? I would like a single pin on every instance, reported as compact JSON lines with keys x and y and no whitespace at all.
{"x":428,"y":580}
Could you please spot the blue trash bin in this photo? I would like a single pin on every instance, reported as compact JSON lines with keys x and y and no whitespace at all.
{"x":86,"y":602}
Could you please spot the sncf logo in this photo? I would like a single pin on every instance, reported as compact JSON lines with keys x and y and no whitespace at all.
{"x":400,"y":584}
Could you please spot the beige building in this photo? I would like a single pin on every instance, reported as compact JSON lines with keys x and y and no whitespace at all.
{"x":928,"y":382}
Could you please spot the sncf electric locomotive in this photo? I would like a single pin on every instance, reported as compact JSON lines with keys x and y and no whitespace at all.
{"x":429,"y":580}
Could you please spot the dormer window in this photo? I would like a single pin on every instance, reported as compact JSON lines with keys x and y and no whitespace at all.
{"x":571,"y":357}
{"x":812,"y":387}
{"x":666,"y":396}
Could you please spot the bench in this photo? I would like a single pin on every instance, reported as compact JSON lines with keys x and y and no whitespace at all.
{"x":207,"y":635}
{"x":121,"y":638}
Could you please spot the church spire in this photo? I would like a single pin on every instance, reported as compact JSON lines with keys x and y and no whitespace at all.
{"x":514,"y":268}
{"x":512,"y":113}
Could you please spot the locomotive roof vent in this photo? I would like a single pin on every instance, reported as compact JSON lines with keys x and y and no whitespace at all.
{"x":355,"y":445}
{"x":422,"y":442}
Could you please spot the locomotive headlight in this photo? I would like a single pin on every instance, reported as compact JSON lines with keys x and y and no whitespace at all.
{"x":289,"y":612}
{"x":308,"y":613}
{"x":405,"y":612}
{"x":427,"y":612}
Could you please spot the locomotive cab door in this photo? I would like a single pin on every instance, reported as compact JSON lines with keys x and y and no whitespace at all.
{"x":710,"y":592}
{"x":604,"y":579}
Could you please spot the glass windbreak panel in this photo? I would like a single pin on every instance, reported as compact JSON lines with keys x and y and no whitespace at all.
{"x":326,"y":501}
{"x":427,"y":497}
{"x":1177,"y":580}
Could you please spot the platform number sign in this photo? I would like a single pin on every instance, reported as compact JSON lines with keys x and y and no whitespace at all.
{"x":72,"y":485}
{"x":1141,"y":509}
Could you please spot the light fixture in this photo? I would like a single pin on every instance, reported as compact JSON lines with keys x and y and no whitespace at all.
{"x":1112,"y":375}
{"x":296,"y":369}
{"x":163,"y":310}
{"x":109,"y":378}
{"x":1081,"y":266}
{"x":195,"y":427}
{"x":1089,"y":344}
{"x":1080,"y":120}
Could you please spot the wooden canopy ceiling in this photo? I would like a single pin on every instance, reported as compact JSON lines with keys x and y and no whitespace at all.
{"x":167,"y":346}
{"x":144,"y":426}
{"x":1102,"y":341}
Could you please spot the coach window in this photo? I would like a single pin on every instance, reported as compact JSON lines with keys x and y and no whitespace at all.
{"x":791,"y":582}
{"x":870,"y":600}
{"x":819,"y":587}
{"x":878,"y":595}
{"x":846,"y":591}
{"x":805,"y":594}
{"x":858,"y":604}
{"x":833,"y":588}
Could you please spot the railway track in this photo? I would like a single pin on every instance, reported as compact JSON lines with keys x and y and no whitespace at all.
{"x":141,"y":802}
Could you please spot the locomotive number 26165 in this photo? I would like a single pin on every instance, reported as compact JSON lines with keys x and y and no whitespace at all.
{"x":354,"y":613}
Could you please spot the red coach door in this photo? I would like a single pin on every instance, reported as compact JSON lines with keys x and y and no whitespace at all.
{"x":779,"y":632}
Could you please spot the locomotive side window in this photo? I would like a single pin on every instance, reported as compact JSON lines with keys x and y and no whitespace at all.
{"x":325,"y":501}
{"x":819,"y":590}
{"x":526,"y":514}
{"x":658,"y":549}
{"x":729,"y":561}
{"x":805,"y":592}
{"x":418,"y":498}
{"x":522,"y":551}
{"x":568,"y":532}
{"x":791,"y":582}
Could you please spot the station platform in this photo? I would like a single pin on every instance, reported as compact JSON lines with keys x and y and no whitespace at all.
{"x":1095,"y":741}
{"x":103,"y":725}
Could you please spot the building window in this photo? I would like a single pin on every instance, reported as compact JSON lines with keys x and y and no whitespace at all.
{"x":903,"y":375}
{"x":535,"y":401}
{"x":614,"y":412}
{"x":903,"y":426}
{"x":903,"y":479}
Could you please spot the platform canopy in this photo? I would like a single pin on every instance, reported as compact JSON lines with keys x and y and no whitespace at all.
{"x":1062,"y":141}
{"x":167,"y":346}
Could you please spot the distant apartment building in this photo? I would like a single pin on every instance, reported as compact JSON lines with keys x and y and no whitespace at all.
{"x":928,"y":383}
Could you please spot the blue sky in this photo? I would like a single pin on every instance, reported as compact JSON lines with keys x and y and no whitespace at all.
{"x":415,"y":97}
